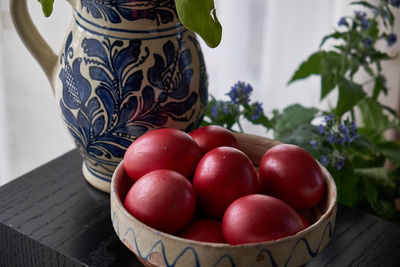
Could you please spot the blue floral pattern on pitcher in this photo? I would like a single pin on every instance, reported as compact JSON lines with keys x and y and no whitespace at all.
{"x":112,"y":10}
{"x":116,"y":89}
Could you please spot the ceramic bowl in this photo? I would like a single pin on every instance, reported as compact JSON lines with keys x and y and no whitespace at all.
{"x":155,"y":248}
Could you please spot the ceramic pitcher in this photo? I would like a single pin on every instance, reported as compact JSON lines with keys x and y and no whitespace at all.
{"x":126,"y":67}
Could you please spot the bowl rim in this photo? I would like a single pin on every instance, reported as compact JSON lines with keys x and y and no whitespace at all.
{"x":331,"y":190}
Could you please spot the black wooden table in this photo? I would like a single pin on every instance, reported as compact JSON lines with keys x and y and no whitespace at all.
{"x":53,"y":217}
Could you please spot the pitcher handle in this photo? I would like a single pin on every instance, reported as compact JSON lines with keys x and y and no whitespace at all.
{"x":32,"y":39}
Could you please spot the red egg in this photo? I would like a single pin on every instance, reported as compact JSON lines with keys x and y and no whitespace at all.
{"x":162,"y":149}
{"x":212,"y":136}
{"x":223,"y":175}
{"x":162,"y":199}
{"x":291,"y":174}
{"x":259,"y":218}
{"x":204,"y":230}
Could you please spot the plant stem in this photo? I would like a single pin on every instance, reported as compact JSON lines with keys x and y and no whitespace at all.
{"x":378,"y":10}
{"x":240,"y":126}
{"x":352,"y":114}
{"x":342,"y":70}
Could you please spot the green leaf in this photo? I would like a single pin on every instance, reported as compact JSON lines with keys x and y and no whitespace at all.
{"x":262,"y":120}
{"x":391,"y":17}
{"x":329,"y":75}
{"x":383,"y":209}
{"x":380,"y":177}
{"x":341,"y":48}
{"x":390,"y":110}
{"x":370,"y":134}
{"x":300,"y":136}
{"x":387,"y":14}
{"x":378,"y":56}
{"x":373,"y":116}
{"x":369,"y":70}
{"x":391,"y":150}
{"x":347,"y":185}
{"x":350,"y":93}
{"x":292,"y":117}
{"x":363,"y":153}
{"x":249,"y":110}
{"x":373,"y":29}
{"x":328,"y":83}
{"x":379,"y":86}
{"x":369,"y":190}
{"x":353,"y":65}
{"x":309,"y":67}
{"x":363,"y":145}
{"x":364,"y":161}
{"x":335,"y":35}
{"x":211,"y":102}
{"x":47,"y":7}
{"x":363,"y":3}
{"x":200,"y":17}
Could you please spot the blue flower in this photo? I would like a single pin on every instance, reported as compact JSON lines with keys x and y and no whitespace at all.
{"x":331,"y":138}
{"x":324,"y":160}
{"x":339,"y":139}
{"x":365,"y":24}
{"x":353,"y":132}
{"x":342,"y":22}
{"x":240,"y":92}
{"x":360,"y":15}
{"x":234,"y":95}
{"x":342,"y":128}
{"x":391,"y":39}
{"x":340,"y":164}
{"x":329,"y":118}
{"x":321,"y":129}
{"x":225,"y":108}
{"x":247,"y":90}
{"x":257,"y":111}
{"x":220,"y":106}
{"x":367,"y":42}
{"x":345,"y":131}
{"x":314,"y":143}
{"x":214,"y":111}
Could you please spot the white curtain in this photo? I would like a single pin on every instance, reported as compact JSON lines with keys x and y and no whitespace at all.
{"x":263,"y":43}
{"x":4,"y":165}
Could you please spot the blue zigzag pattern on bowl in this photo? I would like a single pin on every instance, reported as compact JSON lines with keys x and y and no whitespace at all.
{"x":310,"y":251}
{"x":145,"y":256}
{"x":228,"y":257}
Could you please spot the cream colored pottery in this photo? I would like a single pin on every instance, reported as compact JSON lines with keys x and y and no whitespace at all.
{"x":126,"y":67}
{"x":155,"y":248}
